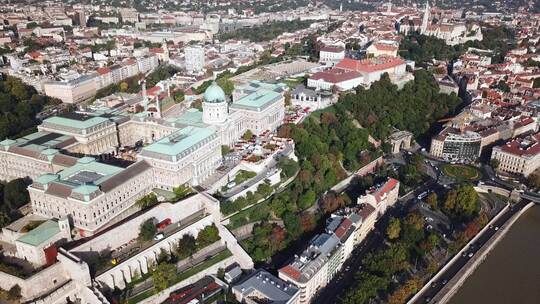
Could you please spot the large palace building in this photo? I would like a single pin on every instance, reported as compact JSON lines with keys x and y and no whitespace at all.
{"x":62,"y":158}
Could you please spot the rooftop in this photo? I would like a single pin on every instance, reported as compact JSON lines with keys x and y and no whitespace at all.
{"x":258,"y":100}
{"x":180,"y":142}
{"x":40,"y":234}
{"x":370,"y":65}
{"x":262,"y":284}
{"x":75,"y":120}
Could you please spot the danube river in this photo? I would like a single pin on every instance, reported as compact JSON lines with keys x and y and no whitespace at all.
{"x":511,"y":271}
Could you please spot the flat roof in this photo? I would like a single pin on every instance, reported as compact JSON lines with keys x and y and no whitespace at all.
{"x":257,"y":100}
{"x":74,"y":120}
{"x":192,"y":117}
{"x":262,"y":283}
{"x":88,"y":170}
{"x":40,"y":234}
{"x":180,"y":141}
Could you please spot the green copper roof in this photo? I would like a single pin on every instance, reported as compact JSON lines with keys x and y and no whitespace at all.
{"x":179,"y":142}
{"x":88,"y":170}
{"x":86,"y":189}
{"x":47,"y":178}
{"x":257,"y":100}
{"x":74,"y":123}
{"x":192,"y":117}
{"x":214,"y":94}
{"x":7,"y":142}
{"x":40,"y":234}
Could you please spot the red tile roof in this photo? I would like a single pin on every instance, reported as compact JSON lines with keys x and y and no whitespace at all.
{"x":385,"y":47}
{"x":102,"y":71}
{"x":343,"y":228}
{"x":157,"y":50}
{"x":291,"y":272}
{"x":332,"y":49}
{"x":370,"y":65}
{"x":514,"y":147}
{"x":387,"y":187}
{"x":336,"y":75}
{"x":153,"y":91}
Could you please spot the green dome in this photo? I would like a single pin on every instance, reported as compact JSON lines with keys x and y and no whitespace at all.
{"x":214,"y":94}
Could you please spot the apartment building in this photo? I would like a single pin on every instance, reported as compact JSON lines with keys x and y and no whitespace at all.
{"x":331,"y":55}
{"x":453,"y":145}
{"x":194,"y":59}
{"x":520,"y":156}
{"x":262,"y":286}
{"x":72,"y":91}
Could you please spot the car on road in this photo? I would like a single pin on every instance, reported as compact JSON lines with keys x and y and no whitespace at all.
{"x":496,"y":228}
{"x":444,"y":282}
{"x":422,"y":195}
{"x":428,"y":219}
{"x":470,"y":254}
{"x":159,"y":236}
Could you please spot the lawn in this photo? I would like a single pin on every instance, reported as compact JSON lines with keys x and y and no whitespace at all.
{"x":462,"y":172}
{"x":243,"y":176}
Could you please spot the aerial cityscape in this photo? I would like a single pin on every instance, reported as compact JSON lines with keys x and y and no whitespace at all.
{"x":269,"y":151}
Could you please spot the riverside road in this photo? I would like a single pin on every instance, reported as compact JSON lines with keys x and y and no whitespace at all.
{"x":458,"y":264}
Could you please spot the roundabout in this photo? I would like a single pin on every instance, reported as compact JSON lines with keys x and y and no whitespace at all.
{"x":462,"y":173}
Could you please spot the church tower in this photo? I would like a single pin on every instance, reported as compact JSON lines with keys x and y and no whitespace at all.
{"x":425,"y":21}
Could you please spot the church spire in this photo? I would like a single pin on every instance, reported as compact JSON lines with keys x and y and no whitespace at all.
{"x":425,"y":21}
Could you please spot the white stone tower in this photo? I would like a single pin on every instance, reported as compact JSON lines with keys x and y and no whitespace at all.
{"x":425,"y":21}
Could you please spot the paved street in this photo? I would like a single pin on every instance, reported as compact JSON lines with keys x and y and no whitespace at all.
{"x":375,"y":240}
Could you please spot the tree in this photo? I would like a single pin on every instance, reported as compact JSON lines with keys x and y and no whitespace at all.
{"x":14,"y":293}
{"x":179,"y":96}
{"x":4,"y":219}
{"x":147,"y":230}
{"x":147,"y":201}
{"x":208,"y":235}
{"x":393,"y":229}
{"x":226,"y":84}
{"x":124,"y":86}
{"x":494,"y":163}
{"x":16,"y":194}
{"x":220,"y":273}
{"x":248,"y":135}
{"x":163,"y":276}
{"x":536,"y":83}
{"x":533,"y":180}
{"x":187,"y":246}
{"x":432,"y":200}
{"x":307,"y":199}
{"x":331,"y":202}
{"x":182,"y":192}
{"x":276,"y":238}
{"x":462,"y":203}
{"x":307,"y":221}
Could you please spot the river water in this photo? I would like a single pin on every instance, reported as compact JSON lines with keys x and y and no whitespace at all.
{"x":511,"y":272}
